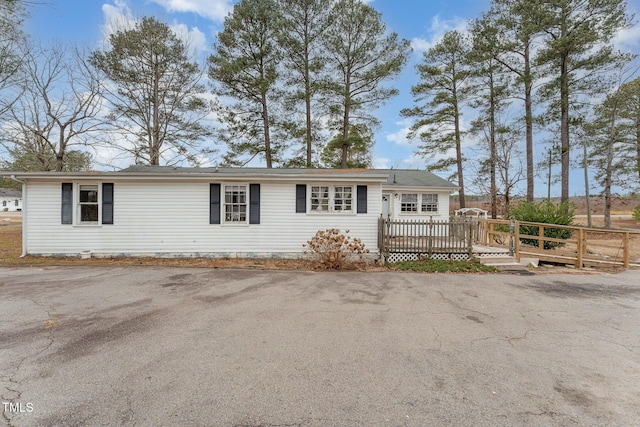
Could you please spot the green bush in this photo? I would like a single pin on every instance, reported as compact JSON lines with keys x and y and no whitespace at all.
{"x":546,"y":213}
{"x":636,"y":213}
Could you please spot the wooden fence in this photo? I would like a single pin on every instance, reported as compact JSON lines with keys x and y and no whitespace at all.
{"x":427,"y":237}
{"x":579,"y":246}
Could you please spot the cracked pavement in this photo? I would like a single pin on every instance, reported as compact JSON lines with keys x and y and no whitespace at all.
{"x":224,"y":347}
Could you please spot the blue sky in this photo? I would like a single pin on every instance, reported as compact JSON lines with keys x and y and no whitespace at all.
{"x":422,"y":22}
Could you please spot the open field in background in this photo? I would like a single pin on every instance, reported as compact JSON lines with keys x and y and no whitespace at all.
{"x":619,"y":205}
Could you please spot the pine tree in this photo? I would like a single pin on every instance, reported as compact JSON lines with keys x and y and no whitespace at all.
{"x":244,"y":67}
{"x":441,"y":93}
{"x":157,"y":96}
{"x":361,"y":57}
{"x":577,"y":47}
{"x":303,"y":27}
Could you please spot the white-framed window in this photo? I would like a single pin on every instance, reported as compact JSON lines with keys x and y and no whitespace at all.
{"x":319,"y":198}
{"x":4,"y":203}
{"x":88,"y":207}
{"x":343,"y":198}
{"x":235,"y":204}
{"x":17,"y":202}
{"x":332,"y":199}
{"x":409,"y":202}
{"x":429,"y":203}
{"x":418,"y":202}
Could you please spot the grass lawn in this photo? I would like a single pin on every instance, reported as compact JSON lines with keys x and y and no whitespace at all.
{"x":441,"y":266}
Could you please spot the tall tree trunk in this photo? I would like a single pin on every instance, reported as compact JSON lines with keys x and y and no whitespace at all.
{"x":309,"y":136}
{"x":528,"y":116}
{"x":155,"y":144}
{"x":307,"y":98}
{"x":492,"y":149}
{"x":564,"y":130}
{"x":62,"y":148}
{"x":459,"y":156}
{"x":609,"y":166}
{"x":266,"y":128}
{"x":345,"y":122}
{"x":586,"y":182}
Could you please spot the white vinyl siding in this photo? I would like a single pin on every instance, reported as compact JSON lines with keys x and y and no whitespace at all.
{"x":146,"y":224}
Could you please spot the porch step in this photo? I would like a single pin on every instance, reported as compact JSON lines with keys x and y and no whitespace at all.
{"x":508,"y":264}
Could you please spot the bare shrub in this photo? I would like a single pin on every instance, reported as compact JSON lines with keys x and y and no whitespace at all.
{"x":334,"y":250}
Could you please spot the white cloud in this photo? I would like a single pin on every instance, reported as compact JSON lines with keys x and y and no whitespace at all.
{"x":215,"y":10}
{"x":381,"y":162}
{"x":193,"y":38}
{"x":400,"y":137}
{"x":628,"y":40}
{"x":437,"y":30}
{"x":118,"y":16}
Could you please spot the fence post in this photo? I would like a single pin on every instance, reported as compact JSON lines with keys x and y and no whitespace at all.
{"x":470,"y":241}
{"x":541,"y":236}
{"x":579,"y":248}
{"x":625,"y":250}
{"x":512,"y":227}
{"x":517,"y":233}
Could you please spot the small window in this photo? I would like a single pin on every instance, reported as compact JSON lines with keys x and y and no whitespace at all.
{"x":409,"y":203}
{"x":235,"y":203}
{"x":429,"y":203}
{"x":17,"y":203}
{"x":88,"y":204}
{"x":4,"y":203}
{"x":343,"y":199}
{"x":320,"y":198}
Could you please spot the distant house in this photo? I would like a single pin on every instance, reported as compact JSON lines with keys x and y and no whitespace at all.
{"x":11,"y":200}
{"x":217,"y":212}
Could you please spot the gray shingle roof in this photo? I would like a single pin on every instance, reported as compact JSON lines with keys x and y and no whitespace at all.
{"x":400,"y":177}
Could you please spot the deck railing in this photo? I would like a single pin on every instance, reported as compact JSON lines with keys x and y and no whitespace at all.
{"x":427,"y":236}
{"x":580,"y":246}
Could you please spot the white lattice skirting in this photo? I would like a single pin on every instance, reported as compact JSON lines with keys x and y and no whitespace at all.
{"x":414,"y":256}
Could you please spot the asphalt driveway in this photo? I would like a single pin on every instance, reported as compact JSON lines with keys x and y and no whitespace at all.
{"x":168,"y":346}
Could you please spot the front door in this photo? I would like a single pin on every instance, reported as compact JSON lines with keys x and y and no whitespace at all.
{"x":386,"y":205}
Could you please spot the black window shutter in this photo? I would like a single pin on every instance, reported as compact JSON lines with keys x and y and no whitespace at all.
{"x":214,"y":203}
{"x":362,"y":199}
{"x":67,"y":203}
{"x":301,"y":198}
{"x":254,"y":203}
{"x":107,"y":203}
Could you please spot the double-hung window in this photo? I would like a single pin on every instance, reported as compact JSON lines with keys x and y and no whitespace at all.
{"x":332,"y":198}
{"x":235,"y":204}
{"x":429,"y":203}
{"x":319,"y":198}
{"x":343,"y":199}
{"x":418,"y":202}
{"x":339,"y":199}
{"x":409,"y":202}
{"x":88,"y":204}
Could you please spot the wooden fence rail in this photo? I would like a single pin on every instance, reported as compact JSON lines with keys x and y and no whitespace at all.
{"x":427,"y":237}
{"x":579,"y":246}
